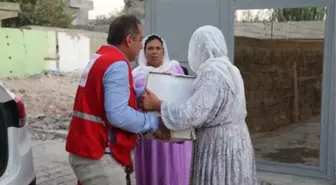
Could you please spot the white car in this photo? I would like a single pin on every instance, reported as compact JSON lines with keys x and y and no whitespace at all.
{"x":16,"y":158}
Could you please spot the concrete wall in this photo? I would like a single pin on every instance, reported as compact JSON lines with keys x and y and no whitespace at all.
{"x":281,"y":30}
{"x":23,"y":52}
{"x":30,"y":51}
{"x":280,"y":75}
{"x":74,"y":51}
{"x":96,"y":38}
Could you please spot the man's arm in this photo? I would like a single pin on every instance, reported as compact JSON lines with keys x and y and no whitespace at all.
{"x":116,"y":95}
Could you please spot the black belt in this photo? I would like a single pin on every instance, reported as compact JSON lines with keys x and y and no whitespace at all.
{"x":128,"y":179}
{"x":128,"y":171}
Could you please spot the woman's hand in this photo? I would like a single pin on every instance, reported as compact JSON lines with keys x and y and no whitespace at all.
{"x":162,"y":133}
{"x":150,"y":102}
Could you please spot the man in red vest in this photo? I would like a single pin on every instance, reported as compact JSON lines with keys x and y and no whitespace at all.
{"x":105,"y":118}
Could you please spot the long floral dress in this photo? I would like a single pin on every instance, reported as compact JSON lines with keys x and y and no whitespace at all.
{"x":223,"y":152}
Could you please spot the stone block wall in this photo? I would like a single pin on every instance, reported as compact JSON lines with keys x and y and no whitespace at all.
{"x":282,"y":80}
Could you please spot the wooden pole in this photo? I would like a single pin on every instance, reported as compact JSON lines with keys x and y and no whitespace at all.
{"x":296,"y":93}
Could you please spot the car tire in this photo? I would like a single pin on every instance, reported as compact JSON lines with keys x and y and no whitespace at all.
{"x":3,"y":142}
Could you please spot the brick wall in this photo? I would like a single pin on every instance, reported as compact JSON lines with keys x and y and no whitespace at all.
{"x":274,"y":85}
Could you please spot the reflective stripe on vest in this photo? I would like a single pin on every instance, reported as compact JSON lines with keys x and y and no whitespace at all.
{"x":88,"y":117}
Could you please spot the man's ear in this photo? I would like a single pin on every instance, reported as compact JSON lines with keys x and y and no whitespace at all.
{"x":128,"y":40}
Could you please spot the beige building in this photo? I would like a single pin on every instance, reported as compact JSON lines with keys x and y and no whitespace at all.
{"x":82,"y":8}
{"x":8,"y":10}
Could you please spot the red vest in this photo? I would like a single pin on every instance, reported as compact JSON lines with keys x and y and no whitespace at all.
{"x":89,"y":128}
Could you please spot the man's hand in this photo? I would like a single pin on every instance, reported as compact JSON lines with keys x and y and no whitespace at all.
{"x":150,"y":102}
{"x":162,"y":133}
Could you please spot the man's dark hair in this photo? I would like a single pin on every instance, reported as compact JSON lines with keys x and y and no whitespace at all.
{"x":152,"y":37}
{"x":121,"y":27}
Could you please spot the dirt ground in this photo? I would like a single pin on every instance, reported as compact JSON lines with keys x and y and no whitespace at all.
{"x":49,"y":99}
{"x":296,"y":143}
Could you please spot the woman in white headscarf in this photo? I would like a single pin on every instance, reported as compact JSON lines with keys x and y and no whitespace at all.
{"x":154,"y":57}
{"x":223,"y":152}
{"x":156,"y":162}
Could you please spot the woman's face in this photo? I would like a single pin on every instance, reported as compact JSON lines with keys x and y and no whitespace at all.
{"x":154,"y":53}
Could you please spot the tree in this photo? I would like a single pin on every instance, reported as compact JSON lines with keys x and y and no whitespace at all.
{"x":255,"y":16}
{"x":53,"y":13}
{"x":299,"y":14}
